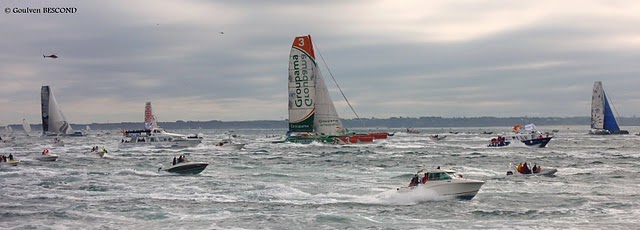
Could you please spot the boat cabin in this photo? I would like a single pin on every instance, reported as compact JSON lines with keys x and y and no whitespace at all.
{"x":439,"y":174}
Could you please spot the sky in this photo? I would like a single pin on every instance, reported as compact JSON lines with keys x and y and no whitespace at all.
{"x":227,"y":60}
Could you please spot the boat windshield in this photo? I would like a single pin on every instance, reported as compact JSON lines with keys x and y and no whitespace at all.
{"x":452,"y":175}
{"x":440,"y":176}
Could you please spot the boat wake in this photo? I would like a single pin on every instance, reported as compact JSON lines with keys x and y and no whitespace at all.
{"x":412,"y":197}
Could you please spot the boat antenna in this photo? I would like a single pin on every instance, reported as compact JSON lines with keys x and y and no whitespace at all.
{"x":334,"y":80}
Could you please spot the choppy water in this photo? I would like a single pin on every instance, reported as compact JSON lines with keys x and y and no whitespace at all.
{"x":291,"y":186}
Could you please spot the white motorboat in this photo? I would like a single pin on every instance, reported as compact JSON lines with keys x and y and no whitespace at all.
{"x":186,"y":168}
{"x":228,"y":144}
{"x":47,"y":157}
{"x":99,"y":152}
{"x":437,"y":137}
{"x":158,"y":137}
{"x":446,"y":183}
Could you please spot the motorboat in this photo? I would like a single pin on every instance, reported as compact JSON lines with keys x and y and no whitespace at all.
{"x":98,"y":152}
{"x":446,"y":183}
{"x":159,"y":138}
{"x":542,"y":171}
{"x":437,"y":137}
{"x":186,"y":167}
{"x":533,"y":139}
{"x":47,"y":157}
{"x":10,"y":163}
{"x":57,"y":142}
{"x":229,"y":144}
{"x":412,"y":131}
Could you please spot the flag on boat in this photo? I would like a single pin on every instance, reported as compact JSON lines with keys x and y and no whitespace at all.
{"x":530,"y":127}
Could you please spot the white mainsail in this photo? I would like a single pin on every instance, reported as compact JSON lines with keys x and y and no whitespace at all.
{"x":87,"y":128}
{"x":302,"y":93}
{"x":597,"y":106}
{"x":26,"y":126}
{"x":53,"y":120}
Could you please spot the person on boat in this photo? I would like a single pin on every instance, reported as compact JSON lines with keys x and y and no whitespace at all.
{"x":45,"y":152}
{"x":414,"y":181}
{"x":424,"y":179}
{"x":174,"y":161}
{"x":10,"y":157}
{"x":519,"y":168}
{"x":539,"y":169}
{"x":526,"y":169}
{"x":535,"y":167}
{"x":104,"y":149}
{"x":494,"y":141}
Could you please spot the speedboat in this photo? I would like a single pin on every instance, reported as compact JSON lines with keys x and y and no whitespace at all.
{"x":47,"y":157}
{"x":186,"y":168}
{"x":159,"y":138}
{"x":543,"y":172}
{"x":10,"y":163}
{"x":412,"y":131}
{"x":99,"y":152}
{"x":446,"y":183}
{"x":437,"y":137}
{"x":228,"y":144}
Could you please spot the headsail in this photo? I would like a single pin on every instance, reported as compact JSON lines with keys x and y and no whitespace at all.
{"x":53,"y":120}
{"x":609,"y":118}
{"x":149,"y":119}
{"x":597,"y":106}
{"x":327,"y":120}
{"x":26,"y":126}
{"x":302,"y":87}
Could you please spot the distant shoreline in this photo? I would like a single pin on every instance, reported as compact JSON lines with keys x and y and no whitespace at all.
{"x":393,"y":122}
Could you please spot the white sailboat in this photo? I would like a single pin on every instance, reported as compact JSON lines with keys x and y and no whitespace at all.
{"x":26,"y":126}
{"x":54,"y":123}
{"x":603,"y":121}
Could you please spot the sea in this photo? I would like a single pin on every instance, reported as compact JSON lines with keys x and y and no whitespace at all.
{"x":318,"y":186}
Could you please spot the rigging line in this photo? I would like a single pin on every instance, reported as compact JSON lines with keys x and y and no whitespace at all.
{"x":334,"y":80}
{"x":614,"y":109}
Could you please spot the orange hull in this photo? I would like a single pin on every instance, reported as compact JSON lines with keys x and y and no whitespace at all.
{"x":379,"y":135}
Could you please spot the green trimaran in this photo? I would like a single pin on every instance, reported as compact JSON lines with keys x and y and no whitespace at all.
{"x":312,"y":115}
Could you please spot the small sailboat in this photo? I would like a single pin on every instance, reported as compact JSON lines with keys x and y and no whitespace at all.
{"x":54,"y":122}
{"x":26,"y":126}
{"x":603,"y":121}
{"x":437,"y":137}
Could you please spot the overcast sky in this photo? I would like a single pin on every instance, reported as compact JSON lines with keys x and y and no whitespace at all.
{"x":391,"y":58}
